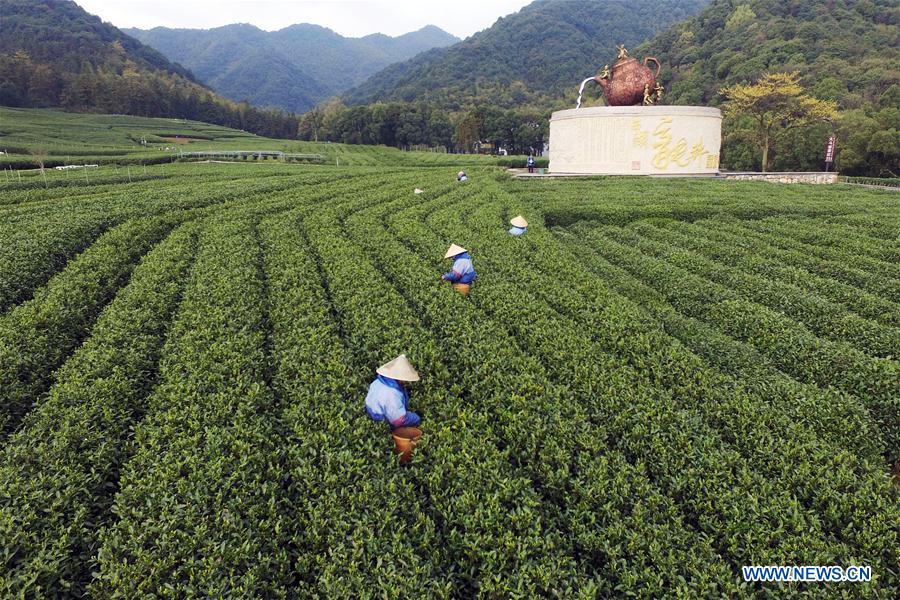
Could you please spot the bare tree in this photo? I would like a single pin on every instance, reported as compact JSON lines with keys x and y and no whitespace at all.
{"x":38,"y":156}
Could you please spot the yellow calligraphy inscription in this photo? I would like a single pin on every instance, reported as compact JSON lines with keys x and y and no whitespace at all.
{"x":640,"y":138}
{"x":669,"y":152}
{"x":697,"y":152}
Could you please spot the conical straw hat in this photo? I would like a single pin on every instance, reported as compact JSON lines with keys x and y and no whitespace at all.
{"x":399,"y":368}
{"x":417,"y":191}
{"x":518,"y":221}
{"x":454,"y":250}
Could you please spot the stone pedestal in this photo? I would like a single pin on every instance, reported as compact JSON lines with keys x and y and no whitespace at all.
{"x":636,"y":140}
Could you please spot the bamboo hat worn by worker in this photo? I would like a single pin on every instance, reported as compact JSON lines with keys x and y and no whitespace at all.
{"x":400,"y":369}
{"x":518,"y":221}
{"x":454,"y":250}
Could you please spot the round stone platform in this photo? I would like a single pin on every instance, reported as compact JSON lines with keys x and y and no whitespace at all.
{"x":636,"y":140}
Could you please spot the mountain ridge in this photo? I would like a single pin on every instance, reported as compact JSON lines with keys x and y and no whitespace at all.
{"x":294,"y":67}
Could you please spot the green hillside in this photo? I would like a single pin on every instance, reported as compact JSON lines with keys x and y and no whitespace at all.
{"x":54,"y":54}
{"x":293,"y":68}
{"x":61,"y":33}
{"x":845,"y":51}
{"x":528,"y":58}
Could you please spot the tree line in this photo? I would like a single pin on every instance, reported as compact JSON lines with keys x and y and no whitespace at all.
{"x":417,"y":125}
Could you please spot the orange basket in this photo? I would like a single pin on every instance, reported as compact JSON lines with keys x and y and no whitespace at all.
{"x":405,"y":439}
{"x":462,"y":288}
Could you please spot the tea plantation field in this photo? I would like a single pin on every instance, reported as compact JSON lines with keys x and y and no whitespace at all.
{"x":76,"y":139}
{"x":661,"y":382}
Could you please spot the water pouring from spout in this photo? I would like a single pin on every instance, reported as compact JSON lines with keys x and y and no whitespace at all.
{"x":581,"y":91}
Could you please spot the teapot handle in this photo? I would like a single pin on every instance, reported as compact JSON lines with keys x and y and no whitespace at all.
{"x":658,"y":66}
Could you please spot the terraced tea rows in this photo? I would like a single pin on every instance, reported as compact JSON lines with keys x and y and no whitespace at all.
{"x":659,"y":383}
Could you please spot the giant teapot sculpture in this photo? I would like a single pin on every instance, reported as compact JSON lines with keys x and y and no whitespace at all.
{"x":629,"y":83}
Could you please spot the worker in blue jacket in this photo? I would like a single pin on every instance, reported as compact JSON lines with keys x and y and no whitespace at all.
{"x":388,"y":398}
{"x":462,"y":274}
{"x":519,"y":225}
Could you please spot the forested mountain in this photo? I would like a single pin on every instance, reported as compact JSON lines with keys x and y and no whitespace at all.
{"x":528,"y":58}
{"x":844,"y":50}
{"x":293,"y":68}
{"x":54,"y":54}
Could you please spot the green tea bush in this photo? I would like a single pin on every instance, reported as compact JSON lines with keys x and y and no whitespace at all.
{"x":661,"y":382}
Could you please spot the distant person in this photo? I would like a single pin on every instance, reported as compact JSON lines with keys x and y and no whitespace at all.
{"x":530,"y":164}
{"x":461,"y":176}
{"x":388,"y":398}
{"x":462,"y":274}
{"x":519,"y":225}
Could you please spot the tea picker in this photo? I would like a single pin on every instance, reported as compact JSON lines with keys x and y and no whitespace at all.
{"x":388,"y":398}
{"x":462,"y":273}
{"x":519,"y":225}
{"x":461,"y":176}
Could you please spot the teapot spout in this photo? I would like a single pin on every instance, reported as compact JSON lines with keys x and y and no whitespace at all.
{"x":581,"y":90}
{"x":602,"y":81}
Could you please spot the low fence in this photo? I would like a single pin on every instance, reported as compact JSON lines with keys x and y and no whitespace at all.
{"x":872,"y":181}
{"x":814,"y":177}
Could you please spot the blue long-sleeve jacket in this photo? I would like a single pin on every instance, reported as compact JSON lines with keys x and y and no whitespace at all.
{"x":388,"y":401}
{"x":462,"y":270}
{"x":517,"y":230}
